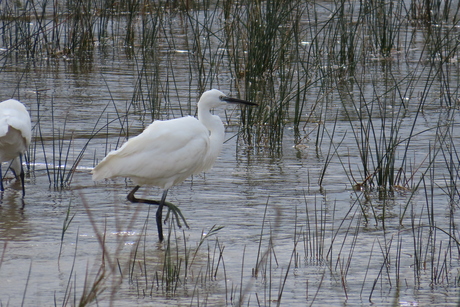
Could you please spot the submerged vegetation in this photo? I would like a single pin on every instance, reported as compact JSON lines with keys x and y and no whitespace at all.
{"x":370,"y":88}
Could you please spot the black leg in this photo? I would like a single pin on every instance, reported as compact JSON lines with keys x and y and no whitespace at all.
{"x":134,"y":199}
{"x":21,"y":175}
{"x":159,"y":214}
{"x":1,"y":178}
{"x":131,"y":196}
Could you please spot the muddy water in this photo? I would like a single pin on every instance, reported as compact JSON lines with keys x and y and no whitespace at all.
{"x":329,"y":244}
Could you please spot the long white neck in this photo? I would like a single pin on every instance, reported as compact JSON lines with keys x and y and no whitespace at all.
{"x":216,"y":134}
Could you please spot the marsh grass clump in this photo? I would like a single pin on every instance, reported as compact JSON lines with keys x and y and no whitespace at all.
{"x":377,"y":134}
{"x":384,"y":24}
{"x":178,"y":266}
{"x":262,"y":40}
{"x":431,"y":12}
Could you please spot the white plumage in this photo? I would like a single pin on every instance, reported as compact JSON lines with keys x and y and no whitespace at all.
{"x":15,"y":135}
{"x":167,"y":152}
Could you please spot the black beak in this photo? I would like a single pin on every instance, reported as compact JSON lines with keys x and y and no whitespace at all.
{"x":240,"y":101}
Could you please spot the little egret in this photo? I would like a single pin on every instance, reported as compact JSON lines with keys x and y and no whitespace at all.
{"x":15,"y":135}
{"x":167,"y":152}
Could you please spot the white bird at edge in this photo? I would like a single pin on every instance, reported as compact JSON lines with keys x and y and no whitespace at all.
{"x":168,"y":152}
{"x":15,"y":135}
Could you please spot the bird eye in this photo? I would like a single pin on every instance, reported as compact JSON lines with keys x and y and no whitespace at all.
{"x":221,"y":97}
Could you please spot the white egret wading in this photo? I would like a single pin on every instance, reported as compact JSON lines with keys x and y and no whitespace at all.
{"x":15,"y":135}
{"x":167,"y":152}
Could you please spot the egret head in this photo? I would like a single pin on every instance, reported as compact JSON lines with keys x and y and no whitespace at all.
{"x":214,"y":98}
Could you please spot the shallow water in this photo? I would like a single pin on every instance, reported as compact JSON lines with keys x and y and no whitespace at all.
{"x":325,"y":245}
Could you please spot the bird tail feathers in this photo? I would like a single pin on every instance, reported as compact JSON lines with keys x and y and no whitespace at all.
{"x":101,"y":172}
